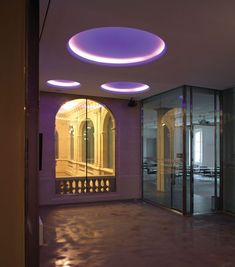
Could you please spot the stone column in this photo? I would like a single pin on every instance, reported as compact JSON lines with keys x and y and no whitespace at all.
{"x":165,"y":147}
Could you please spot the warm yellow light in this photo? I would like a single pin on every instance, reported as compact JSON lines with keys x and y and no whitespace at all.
{"x":69,"y":106}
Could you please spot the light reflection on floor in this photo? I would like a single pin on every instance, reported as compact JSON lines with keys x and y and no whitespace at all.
{"x":126,"y":234}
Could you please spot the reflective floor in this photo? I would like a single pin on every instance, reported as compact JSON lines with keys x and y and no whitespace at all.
{"x":134,"y":234}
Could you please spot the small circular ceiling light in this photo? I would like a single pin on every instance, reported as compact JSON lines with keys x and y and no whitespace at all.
{"x":125,"y":87}
{"x":116,"y":46}
{"x":63,"y":83}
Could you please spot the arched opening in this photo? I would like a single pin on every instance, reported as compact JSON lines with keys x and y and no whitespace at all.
{"x":87,"y":147}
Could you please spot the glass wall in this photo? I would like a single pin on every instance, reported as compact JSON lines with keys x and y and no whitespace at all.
{"x":181,"y":155}
{"x":163,"y":149}
{"x":229,"y":149}
{"x":205,"y":150}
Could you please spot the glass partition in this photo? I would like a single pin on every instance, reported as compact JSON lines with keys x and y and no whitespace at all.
{"x":181,"y":149}
{"x":163,"y":149}
{"x":229,"y":150}
{"x":85,"y":148}
{"x":204,"y":150}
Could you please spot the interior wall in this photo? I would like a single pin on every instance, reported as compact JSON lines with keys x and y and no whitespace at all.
{"x":12,"y":141}
{"x":229,"y":149}
{"x":128,"y":157}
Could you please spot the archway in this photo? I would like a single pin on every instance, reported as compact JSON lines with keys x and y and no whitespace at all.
{"x":86,"y":162}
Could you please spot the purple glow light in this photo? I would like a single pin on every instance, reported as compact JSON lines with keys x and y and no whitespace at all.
{"x":63,"y":83}
{"x":116,"y":46}
{"x":125,"y":87}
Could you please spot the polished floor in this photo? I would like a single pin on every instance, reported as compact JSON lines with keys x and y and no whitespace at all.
{"x":134,"y":234}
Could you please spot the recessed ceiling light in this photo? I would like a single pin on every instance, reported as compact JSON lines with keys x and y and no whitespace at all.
{"x":125,"y":87}
{"x":116,"y":46}
{"x":63,"y":83}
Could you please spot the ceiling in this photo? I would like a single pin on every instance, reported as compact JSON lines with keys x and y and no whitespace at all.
{"x":200,"y":39}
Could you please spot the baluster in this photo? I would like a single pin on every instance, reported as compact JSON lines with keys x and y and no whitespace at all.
{"x":73,"y":186}
{"x":102,"y":185}
{"x":84,"y":186}
{"x":67,"y":187}
{"x":97,"y":185}
{"x":91,"y":184}
{"x":62,"y":187}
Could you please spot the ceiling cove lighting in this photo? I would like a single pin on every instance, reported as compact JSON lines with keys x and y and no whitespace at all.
{"x":125,"y":87}
{"x":63,"y":83}
{"x":116,"y":46}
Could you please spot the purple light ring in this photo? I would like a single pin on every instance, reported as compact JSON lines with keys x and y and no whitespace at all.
{"x":58,"y":83}
{"x":112,"y":61}
{"x":126,"y":87}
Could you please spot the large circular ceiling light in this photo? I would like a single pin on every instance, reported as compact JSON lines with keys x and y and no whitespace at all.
{"x":63,"y":83}
{"x":116,"y":46}
{"x":125,"y":87}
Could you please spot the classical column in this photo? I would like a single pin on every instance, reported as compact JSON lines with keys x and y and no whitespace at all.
{"x":165,"y":147}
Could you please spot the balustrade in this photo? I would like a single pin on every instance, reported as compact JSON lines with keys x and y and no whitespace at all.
{"x":84,"y":185}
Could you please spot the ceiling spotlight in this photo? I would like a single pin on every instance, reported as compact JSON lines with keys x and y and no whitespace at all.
{"x":116,"y":46}
{"x":125,"y":87}
{"x":63,"y":83}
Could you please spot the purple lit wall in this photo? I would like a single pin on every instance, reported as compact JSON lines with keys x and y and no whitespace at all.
{"x":128,"y":156}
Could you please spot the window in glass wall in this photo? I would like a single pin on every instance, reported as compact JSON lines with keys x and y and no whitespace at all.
{"x":87,"y":154}
{"x":198,"y":146}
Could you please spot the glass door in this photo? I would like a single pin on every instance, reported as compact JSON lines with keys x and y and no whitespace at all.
{"x":163,"y":149}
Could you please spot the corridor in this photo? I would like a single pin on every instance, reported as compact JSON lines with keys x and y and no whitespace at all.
{"x":134,"y":234}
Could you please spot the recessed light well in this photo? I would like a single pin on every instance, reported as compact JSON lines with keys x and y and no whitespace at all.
{"x":63,"y":83}
{"x":116,"y":46}
{"x":125,"y":87}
